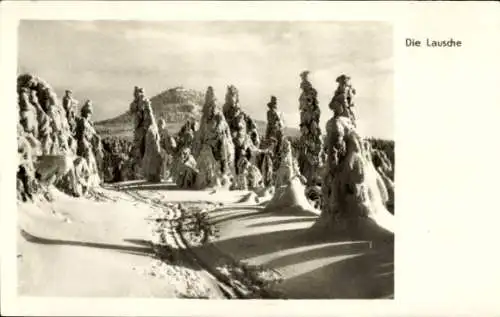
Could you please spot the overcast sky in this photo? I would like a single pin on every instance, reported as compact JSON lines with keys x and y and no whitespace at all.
{"x":104,"y":60}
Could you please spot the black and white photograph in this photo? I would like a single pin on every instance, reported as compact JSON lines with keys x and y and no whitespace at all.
{"x":205,"y":159}
{"x":238,"y":158}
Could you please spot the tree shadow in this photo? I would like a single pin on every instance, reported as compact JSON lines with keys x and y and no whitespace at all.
{"x":282,"y":222}
{"x":322,"y":251}
{"x":178,"y":257}
{"x":146,"y":251}
{"x":253,"y":245}
{"x":258,"y":212}
{"x":142,"y":242}
{"x":368,"y":273}
{"x":249,"y":208}
{"x":190,"y":204}
{"x":167,"y":255}
{"x":247,"y":213}
{"x":363,"y":277}
{"x":264,"y":243}
{"x":146,"y":186}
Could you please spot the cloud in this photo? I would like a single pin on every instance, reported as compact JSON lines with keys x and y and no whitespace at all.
{"x":196,"y":43}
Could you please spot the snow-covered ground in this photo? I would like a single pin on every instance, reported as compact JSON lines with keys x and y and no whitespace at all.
{"x":102,"y":248}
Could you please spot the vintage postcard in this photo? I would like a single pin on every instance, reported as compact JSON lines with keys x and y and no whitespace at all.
{"x":183,"y":158}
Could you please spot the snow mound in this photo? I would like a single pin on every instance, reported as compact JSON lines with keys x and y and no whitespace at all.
{"x":291,"y":199}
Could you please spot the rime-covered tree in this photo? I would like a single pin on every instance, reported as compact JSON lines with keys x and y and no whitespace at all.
{"x":213,"y":146}
{"x":311,"y":144}
{"x":354,"y":193}
{"x":236,"y":117}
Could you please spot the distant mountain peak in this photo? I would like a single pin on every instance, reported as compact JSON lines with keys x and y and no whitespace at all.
{"x":176,"y":105}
